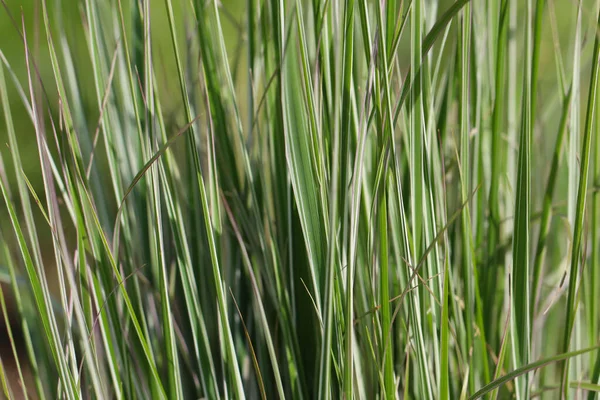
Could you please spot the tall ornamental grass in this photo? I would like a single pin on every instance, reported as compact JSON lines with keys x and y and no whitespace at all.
{"x":329,"y":199}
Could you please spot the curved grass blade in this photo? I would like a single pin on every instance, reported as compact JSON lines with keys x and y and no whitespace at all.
{"x":528,"y":368}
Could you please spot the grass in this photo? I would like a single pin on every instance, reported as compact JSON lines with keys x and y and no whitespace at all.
{"x":300,"y":199}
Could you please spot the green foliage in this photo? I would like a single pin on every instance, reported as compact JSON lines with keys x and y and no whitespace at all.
{"x":300,"y":199}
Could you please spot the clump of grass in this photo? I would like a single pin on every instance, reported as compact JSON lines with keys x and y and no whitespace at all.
{"x":301,"y":199}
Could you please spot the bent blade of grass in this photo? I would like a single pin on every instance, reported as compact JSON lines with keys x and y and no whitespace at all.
{"x":408,"y":86}
{"x":529,"y":368}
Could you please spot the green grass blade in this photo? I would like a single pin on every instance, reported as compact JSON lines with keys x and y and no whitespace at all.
{"x":576,"y":252}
